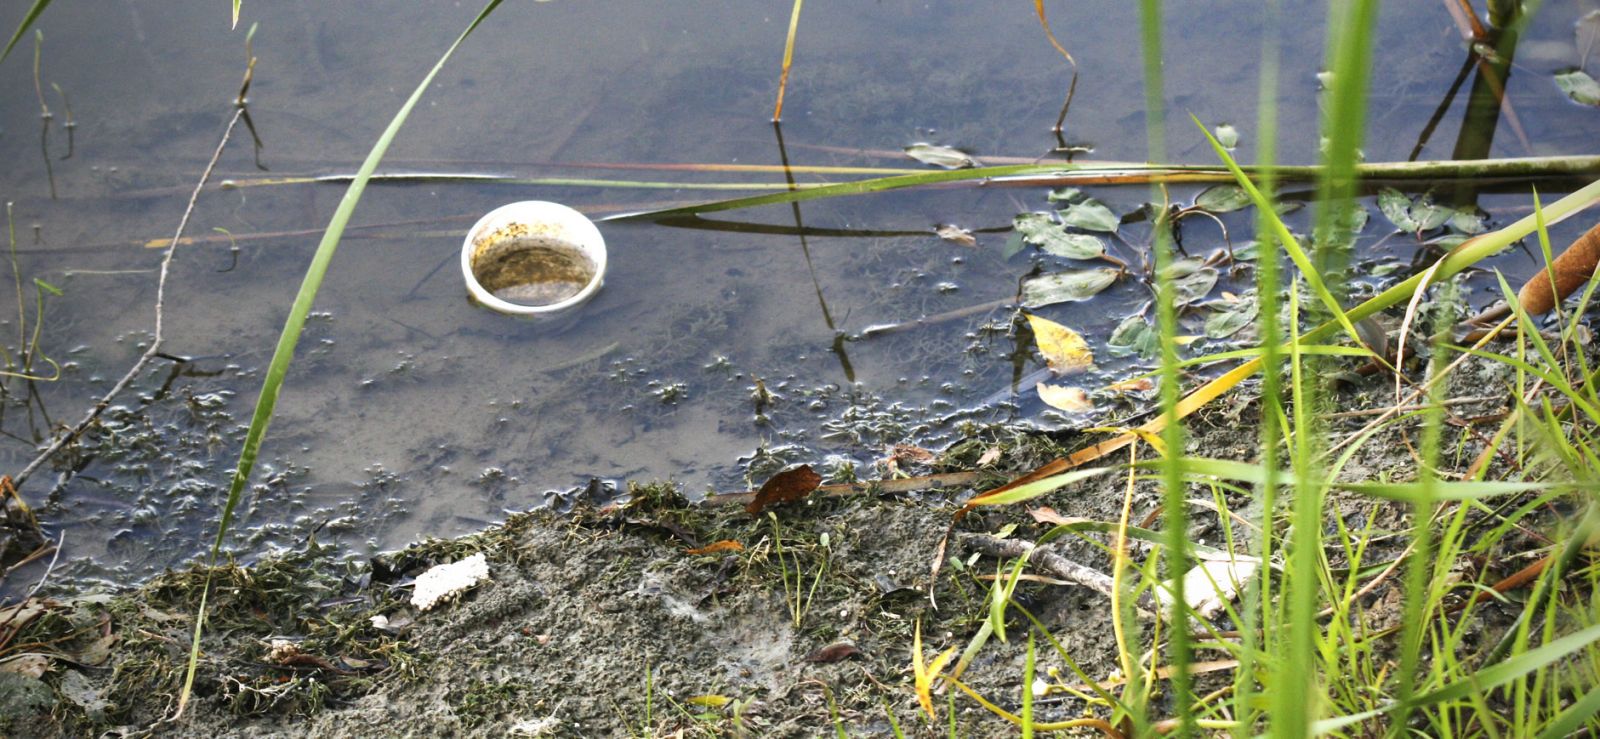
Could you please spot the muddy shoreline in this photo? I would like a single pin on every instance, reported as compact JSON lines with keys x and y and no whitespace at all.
{"x":607,"y":621}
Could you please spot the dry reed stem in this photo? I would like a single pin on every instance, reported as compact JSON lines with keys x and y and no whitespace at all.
{"x":788,"y":59}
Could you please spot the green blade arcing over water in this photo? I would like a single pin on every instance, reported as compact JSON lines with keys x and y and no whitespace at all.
{"x":291,"y":331}
{"x":27,"y":22}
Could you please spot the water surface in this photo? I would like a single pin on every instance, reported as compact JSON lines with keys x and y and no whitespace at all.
{"x":410,"y":412}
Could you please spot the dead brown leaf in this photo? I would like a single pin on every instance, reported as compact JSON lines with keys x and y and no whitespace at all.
{"x":834,"y":652}
{"x":785,"y":487}
{"x":1069,"y":399}
{"x":726,"y":545}
{"x":955,"y":234}
{"x":1046,"y":514}
{"x":905,"y":454}
{"x":31,"y":665}
{"x":1135,"y":385}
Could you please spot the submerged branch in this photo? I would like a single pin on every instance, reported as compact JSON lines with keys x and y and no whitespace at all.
{"x":154,"y":349}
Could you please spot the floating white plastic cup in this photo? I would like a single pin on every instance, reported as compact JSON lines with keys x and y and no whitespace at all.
{"x":533,"y":258}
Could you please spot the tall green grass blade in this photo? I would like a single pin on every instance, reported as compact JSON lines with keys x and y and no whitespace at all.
{"x":1027,"y":690}
{"x":1139,"y":173}
{"x":1582,"y":712}
{"x":1309,"y":270}
{"x":1000,"y":597}
{"x":278,"y":368}
{"x":22,"y":28}
{"x":1418,"y":588}
{"x":1291,"y":693}
{"x":1257,"y":639}
{"x":1420,"y":492}
{"x":1174,"y":512}
{"x":894,"y":723}
{"x":876,"y":184}
{"x":1401,"y":491}
{"x":1039,"y":487}
{"x":1512,"y":668}
{"x":1482,"y":681}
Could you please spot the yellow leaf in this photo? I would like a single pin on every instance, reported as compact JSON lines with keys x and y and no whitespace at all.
{"x":711,"y":701}
{"x":936,"y":668}
{"x":1143,"y":433}
{"x":926,"y":675}
{"x":1064,"y":349}
{"x":1069,"y":399}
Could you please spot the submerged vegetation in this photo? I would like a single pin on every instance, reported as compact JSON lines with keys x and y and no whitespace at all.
{"x":1331,"y":501}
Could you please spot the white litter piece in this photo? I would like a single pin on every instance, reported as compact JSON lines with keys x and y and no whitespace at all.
{"x":445,"y":582}
{"x":1211,"y":585}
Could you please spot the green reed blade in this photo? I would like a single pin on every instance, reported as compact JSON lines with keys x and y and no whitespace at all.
{"x":284,"y":354}
{"x":1174,"y":519}
{"x":22,"y":28}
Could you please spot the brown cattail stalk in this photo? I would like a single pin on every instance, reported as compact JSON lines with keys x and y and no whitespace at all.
{"x":1567,"y":273}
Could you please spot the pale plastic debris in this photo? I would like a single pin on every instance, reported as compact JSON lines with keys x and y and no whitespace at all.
{"x":1211,"y":585}
{"x":444,"y":582}
{"x":536,"y":727}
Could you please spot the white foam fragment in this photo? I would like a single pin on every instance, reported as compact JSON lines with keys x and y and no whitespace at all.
{"x":1212,"y":584}
{"x":445,"y":582}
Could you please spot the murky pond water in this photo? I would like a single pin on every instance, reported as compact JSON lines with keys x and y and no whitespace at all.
{"x":411,"y":412}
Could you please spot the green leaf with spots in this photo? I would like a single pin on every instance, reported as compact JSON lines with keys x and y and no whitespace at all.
{"x":1468,"y":219}
{"x":1075,"y":246}
{"x":1397,"y":208}
{"x":1090,"y":215}
{"x":1066,"y":287}
{"x":1429,"y":215}
{"x":1194,"y":286}
{"x":1134,"y":335}
{"x":1040,"y":230}
{"x":1579,"y":87}
{"x":1222,"y":199}
{"x":940,"y":156}
{"x":1232,"y":317}
{"x":1014,"y":244}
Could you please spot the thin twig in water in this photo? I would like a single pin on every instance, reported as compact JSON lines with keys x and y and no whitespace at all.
{"x":155,"y":343}
{"x":60,"y":540}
